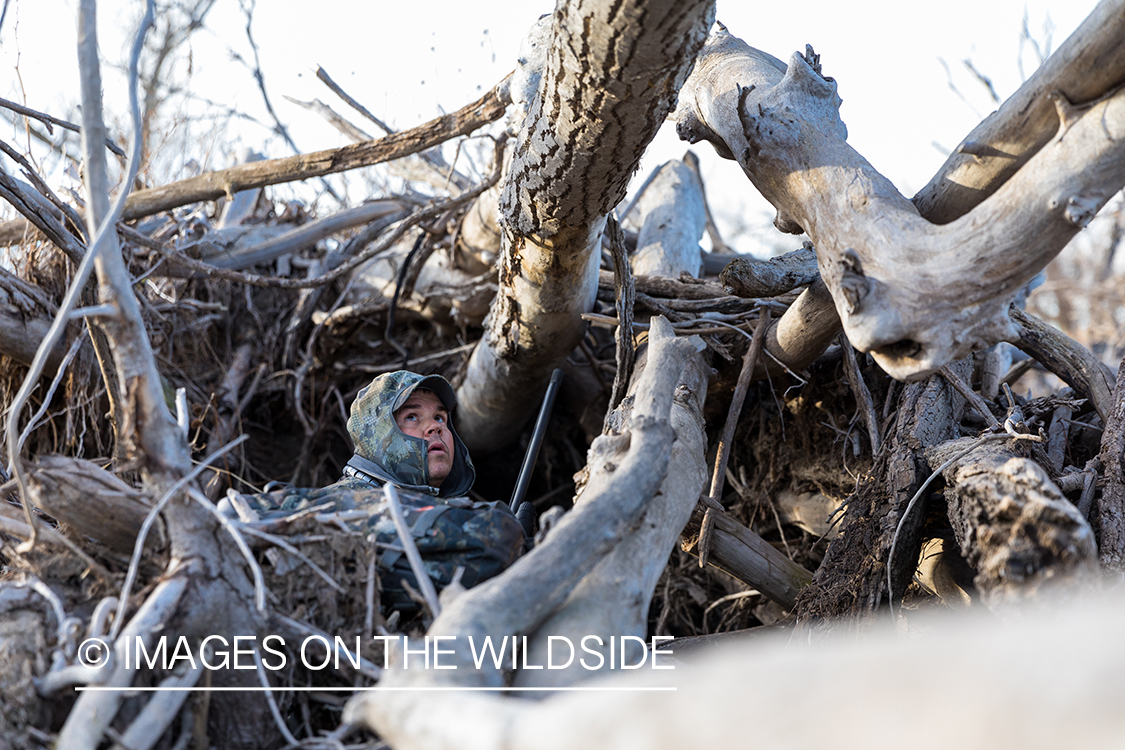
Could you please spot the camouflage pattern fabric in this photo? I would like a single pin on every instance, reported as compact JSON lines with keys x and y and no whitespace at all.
{"x":483,"y":538}
{"x":398,"y":457}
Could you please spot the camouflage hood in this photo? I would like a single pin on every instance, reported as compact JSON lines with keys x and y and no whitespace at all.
{"x":383,"y":451}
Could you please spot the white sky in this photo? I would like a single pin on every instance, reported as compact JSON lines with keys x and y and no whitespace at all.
{"x":406,"y":61}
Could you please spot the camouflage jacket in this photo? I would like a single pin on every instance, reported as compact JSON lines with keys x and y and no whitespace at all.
{"x":481,"y":538}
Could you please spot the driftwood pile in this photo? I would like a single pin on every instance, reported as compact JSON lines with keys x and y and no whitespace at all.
{"x":830,"y":491}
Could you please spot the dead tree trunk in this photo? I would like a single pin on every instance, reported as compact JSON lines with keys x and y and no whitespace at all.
{"x":602,"y":97}
{"x":673,"y":219}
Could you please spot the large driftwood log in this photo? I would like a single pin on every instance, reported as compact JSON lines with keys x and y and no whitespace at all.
{"x":613,"y":599}
{"x":1013,"y":524}
{"x":913,"y":294}
{"x":611,"y":77}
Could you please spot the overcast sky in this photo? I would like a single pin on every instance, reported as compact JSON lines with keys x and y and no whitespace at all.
{"x":893,"y":62}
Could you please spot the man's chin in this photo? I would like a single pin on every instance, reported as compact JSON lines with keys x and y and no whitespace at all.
{"x":438,"y":473}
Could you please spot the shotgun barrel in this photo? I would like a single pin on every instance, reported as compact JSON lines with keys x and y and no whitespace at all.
{"x":536,"y":439}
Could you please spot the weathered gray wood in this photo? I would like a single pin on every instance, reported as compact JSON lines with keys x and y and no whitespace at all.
{"x":749,"y":558}
{"x":613,"y":599}
{"x":674,"y":217}
{"x":659,"y":286}
{"x":213,"y":185}
{"x":913,"y":294}
{"x":750,"y":277}
{"x":92,"y":502}
{"x":612,"y":72}
{"x":241,"y":206}
{"x":240,"y":256}
{"x":21,"y":334}
{"x":803,"y":332}
{"x":208,"y":574}
{"x":1013,"y":524}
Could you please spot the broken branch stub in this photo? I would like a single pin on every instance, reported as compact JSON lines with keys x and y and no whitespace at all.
{"x":913,"y":294}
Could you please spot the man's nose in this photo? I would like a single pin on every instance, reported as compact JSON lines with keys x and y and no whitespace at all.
{"x":433,"y":426}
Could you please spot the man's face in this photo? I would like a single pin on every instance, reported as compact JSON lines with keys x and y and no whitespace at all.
{"x":424,"y":416}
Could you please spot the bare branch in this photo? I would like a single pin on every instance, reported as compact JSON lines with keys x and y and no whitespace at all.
{"x":227,"y":182}
{"x":1087,"y":66}
{"x":48,"y":120}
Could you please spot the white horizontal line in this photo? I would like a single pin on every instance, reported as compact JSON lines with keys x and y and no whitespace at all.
{"x":441,"y":689}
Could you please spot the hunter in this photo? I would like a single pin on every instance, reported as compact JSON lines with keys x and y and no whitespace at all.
{"x":400,"y":425}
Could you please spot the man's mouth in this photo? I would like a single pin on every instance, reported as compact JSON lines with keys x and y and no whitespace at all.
{"x":436,"y":447}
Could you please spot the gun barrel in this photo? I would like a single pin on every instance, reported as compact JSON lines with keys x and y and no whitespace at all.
{"x":536,"y":439}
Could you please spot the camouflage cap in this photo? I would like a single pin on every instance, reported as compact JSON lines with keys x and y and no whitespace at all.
{"x":378,"y":439}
